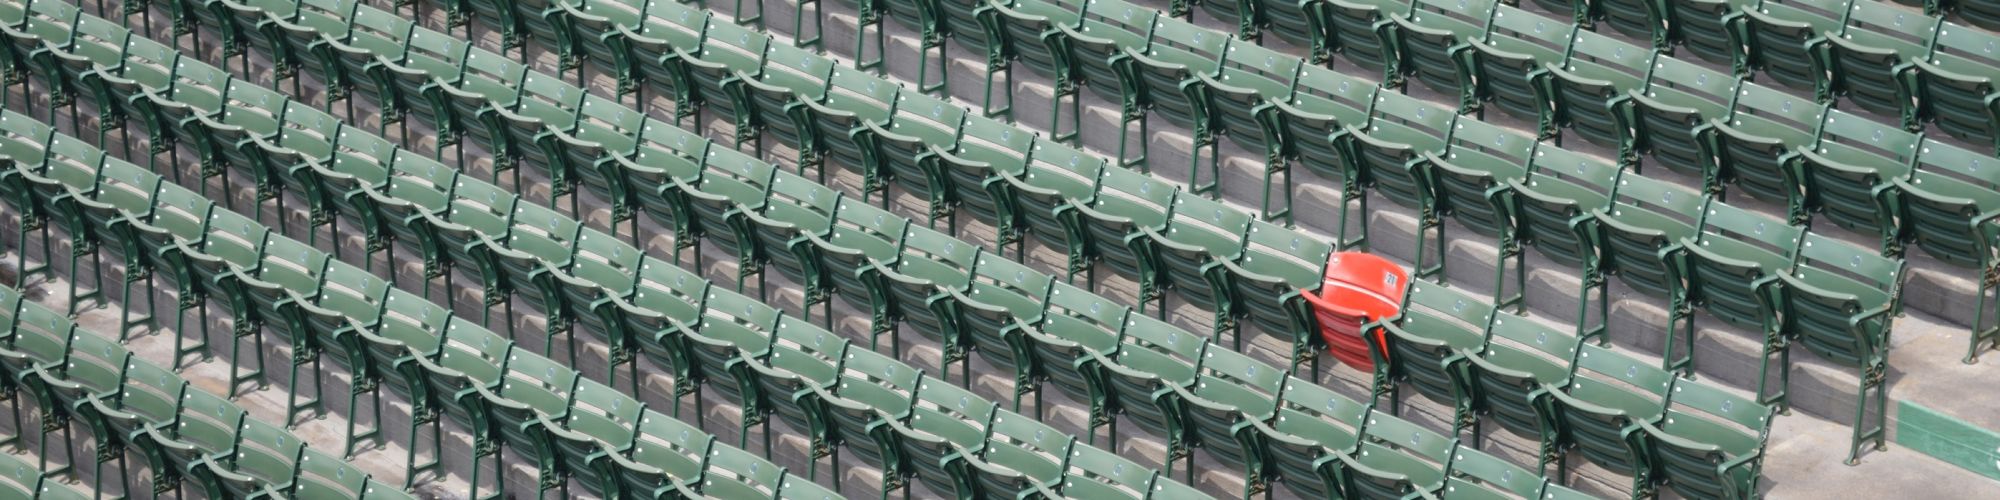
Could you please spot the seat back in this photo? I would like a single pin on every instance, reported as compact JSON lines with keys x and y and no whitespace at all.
{"x":1477,"y":474}
{"x":1091,"y":472}
{"x":1706,"y":424}
{"x":1841,"y":299}
{"x":1647,"y":216}
{"x":735,"y":473}
{"x":1948,"y":183}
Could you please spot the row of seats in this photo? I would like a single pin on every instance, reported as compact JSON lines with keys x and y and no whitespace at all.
{"x":1891,"y":277}
{"x":570,"y":425}
{"x":1219,"y":367}
{"x":77,"y":375}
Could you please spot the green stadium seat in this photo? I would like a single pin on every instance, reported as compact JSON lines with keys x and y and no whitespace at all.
{"x":1231,"y":391}
{"x":1437,"y":322}
{"x":540,"y":245}
{"x":602,"y":269}
{"x":322,"y":476}
{"x":1643,"y":19}
{"x":840,"y":129}
{"x":667,"y":459}
{"x":1842,"y":300}
{"x":1057,"y":175}
{"x":801,"y":361}
{"x":1152,"y":357}
{"x":945,"y":425}
{"x":430,"y":64}
{"x":794,"y":207}
{"x":1434,"y":40}
{"x":1716,"y":31}
{"x":1643,"y":227}
{"x":264,"y":456}
{"x":124,"y":198}
{"x":731,"y":325}
{"x":977,"y":25}
{"x":1788,"y":41}
{"x":287,"y":281}
{"x":1946,"y":186}
{"x":996,"y":308}
{"x":477,"y":217}
{"x":1275,"y":267}
{"x":207,"y":427}
{"x":602,"y":422}
{"x":1166,"y":73}
{"x":1090,"y":472}
{"x":1848,"y":173}
{"x":1112,"y":224}
{"x":347,"y":324}
{"x":931,"y":262}
{"x":666,"y":303}
{"x":903,"y":149}
{"x":1712,"y":442}
{"x":1238,"y":101}
{"x":1874,"y":58}
{"x":234,"y":243}
{"x":872,"y":389}
{"x":1513,"y":58}
{"x":859,"y":240}
{"x":1314,"y":126}
{"x":747,"y":475}
{"x":973,"y":170}
{"x":1360,"y":30}
{"x":470,"y":361}
{"x":1247,"y":15}
{"x":1671,"y":117}
{"x":1602,"y":406}
{"x":1032,"y":32}
{"x":67,"y":174}
{"x":1480,"y":160}
{"x":1389,"y":155}
{"x":1300,"y":23}
{"x":666,"y":158}
{"x":1511,"y":376}
{"x":149,"y":394}
{"x":729,"y":180}
{"x":1758,"y":141}
{"x":1733,"y":266}
{"x":605,"y":131}
{"x":654,"y":53}
{"x":1077,"y":331}
{"x":791,"y":75}
{"x":1396,"y":458}
{"x":1186,"y":253}
{"x":1591,"y":85}
{"x":20,"y":480}
{"x":1022,"y":456}
{"x":1479,"y":475}
{"x":1097,"y":44}
{"x":1954,"y":81}
{"x":533,"y":394}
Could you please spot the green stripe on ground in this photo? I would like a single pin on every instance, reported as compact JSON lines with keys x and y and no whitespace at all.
{"x":1949,"y":439}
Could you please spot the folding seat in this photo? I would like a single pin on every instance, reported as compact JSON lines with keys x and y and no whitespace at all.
{"x":666,"y":302}
{"x":872,"y":389}
{"x":1480,"y":159}
{"x":1152,"y":357}
{"x":595,"y":29}
{"x":544,"y":103}
{"x":252,"y":23}
{"x":1268,"y":278}
{"x":1022,"y":455}
{"x":994,"y":309}
{"x":196,"y":90}
{"x":124,"y":197}
{"x":415,"y":82}
{"x":1712,"y":442}
{"x":1434,"y":42}
{"x":1759,"y":141}
{"x":1168,"y":74}
{"x":605,"y":130}
{"x":944,"y":425}
{"x":533,"y":394}
{"x":795,"y":488}
{"x":26,"y":481}
{"x":728,"y":180}
{"x":230,"y":252}
{"x":360,"y":162}
{"x":379,"y":333}
{"x":1422,"y":345}
{"x":734,"y":473}
{"x":469,"y":361}
{"x":1732,"y":267}
{"x":903,"y":147}
{"x":149,"y":396}
{"x":859,"y":240}
{"x":1591,"y":87}
{"x":654,"y":53}
{"x":1057,"y":175}
{"x":67,"y":174}
{"x":94,"y":371}
{"x":1713,"y":30}
{"x":1954,"y":82}
{"x":602,"y":268}
{"x":664,"y":158}
{"x":931,"y":262}
{"x":287,"y":281}
{"x":977,"y":25}
{"x":264,"y":456}
{"x":1841,"y":301}
{"x":1477,"y":474}
{"x":247,"y":117}
{"x":792,"y":373}
{"x":1511,"y":376}
{"x":1671,"y":114}
{"x":94,"y":42}
{"x":1555,"y":209}
{"x":1643,"y":228}
{"x":972,"y":171}
{"x":1513,"y":59}
{"x":1077,"y":331}
{"x":1096,"y":45}
{"x":1313,"y":123}
{"x":1389,"y":155}
{"x":1946,"y":186}
{"x":666,"y":460}
{"x":773,"y":95}
{"x":732,"y":325}
{"x":1848,"y":173}
{"x":1396,"y":458}
{"x":418,"y":191}
{"x":489,"y":82}
{"x":323,"y":476}
{"x":1033,"y":33}
{"x":1788,"y":41}
{"x":602,"y":422}
{"x":1111,"y":225}
{"x":1874,"y":58}
{"x":727,"y":52}
{"x":25,"y":148}
{"x":293,"y":158}
{"x":510,"y":19}
{"x":477,"y":217}
{"x":1360,"y":30}
{"x":306,"y":36}
{"x":1231,"y":390}
{"x":840,"y":127}
{"x":1238,"y":102}
{"x":1603,"y":405}
{"x":145,"y":64}
{"x":33,"y":31}
{"x":206,"y":427}
{"x":1091,"y":472}
{"x":1186,"y":253}
{"x":540,"y":245}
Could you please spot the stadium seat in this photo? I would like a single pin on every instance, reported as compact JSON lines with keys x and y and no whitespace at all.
{"x":1733,"y":265}
{"x":286,"y":266}
{"x":972,"y":172}
{"x":777,"y":225}
{"x":667,"y":458}
{"x":539,"y":245}
{"x":1712,"y":442}
{"x":731,"y":325}
{"x":729,"y":179}
{"x":1478,"y":161}
{"x":207,"y":427}
{"x":1097,"y":57}
{"x":1167,"y":74}
{"x":1360,"y":30}
{"x":1716,"y":31}
{"x":1510,"y":378}
{"x":656,"y":176}
{"x":534,"y":393}
{"x":800,"y":363}
{"x":727,"y":51}
{"x":1389,"y":154}
{"x":264,"y":456}
{"x":1555,"y":210}
{"x":747,"y":476}
{"x":1590,"y":89}
{"x":655,"y":54}
{"x":872,"y":388}
{"x":1513,"y":58}
{"x":1186,"y":253}
{"x":860,"y":239}
{"x":1112,"y":224}
{"x":1153,"y":357}
{"x":1270,"y":277}
{"x":1314,"y":124}
{"x":1022,"y":456}
{"x":666,"y":303}
{"x":122,"y":189}
{"x":323,"y":476}
{"x":28,"y":481}
{"x":602,"y":269}
{"x":1057,"y":175}
{"x":944,"y":425}
{"x":1946,"y":186}
{"x":1671,"y":117}
{"x":1788,"y":41}
{"x":1077,"y":332}
{"x":1954,"y":84}
{"x":1849,"y":170}
{"x":1003,"y":299}
{"x":840,"y":127}
{"x":789,"y":77}
{"x":602,"y":422}
{"x":931,"y":261}
{"x":1032,"y":31}
{"x":1230,"y":391}
{"x":1238,"y":103}
{"x":470,"y":360}
{"x":1313,"y":425}
{"x":1090,"y":472}
{"x":1758,"y":141}
{"x":1643,"y":19}
{"x":605,"y":131}
{"x":1300,"y":23}
{"x":1843,"y":300}
{"x":1434,"y":40}
{"x":1396,"y":458}
{"x":1247,"y":15}
{"x":1644,"y":225}
{"x":1602,"y":406}
{"x":593,"y":30}
{"x":1477,"y":474}
{"x":903,"y":146}
{"x":1873,"y":58}
{"x":1422,"y":346}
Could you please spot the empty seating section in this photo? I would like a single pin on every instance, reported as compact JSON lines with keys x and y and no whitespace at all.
{"x":1881,"y":179}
